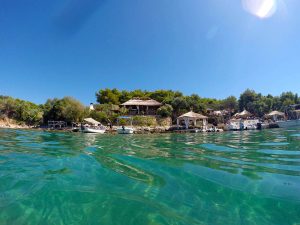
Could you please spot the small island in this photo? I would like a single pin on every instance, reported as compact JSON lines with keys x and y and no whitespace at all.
{"x":150,"y":111}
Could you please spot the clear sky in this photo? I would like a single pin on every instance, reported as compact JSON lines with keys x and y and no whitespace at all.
{"x":214,"y":48}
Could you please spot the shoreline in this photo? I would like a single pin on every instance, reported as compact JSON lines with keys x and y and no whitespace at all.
{"x":137,"y":130}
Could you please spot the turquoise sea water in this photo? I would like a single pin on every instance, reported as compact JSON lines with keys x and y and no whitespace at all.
{"x":250,"y":177}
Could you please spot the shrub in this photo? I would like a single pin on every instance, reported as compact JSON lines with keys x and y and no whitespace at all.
{"x":165,"y":110}
{"x":144,"y":121}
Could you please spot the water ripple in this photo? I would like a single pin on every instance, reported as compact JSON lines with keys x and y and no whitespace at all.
{"x":222,"y":178}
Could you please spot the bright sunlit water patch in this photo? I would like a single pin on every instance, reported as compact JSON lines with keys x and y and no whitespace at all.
{"x":51,"y":178}
{"x":260,"y":8}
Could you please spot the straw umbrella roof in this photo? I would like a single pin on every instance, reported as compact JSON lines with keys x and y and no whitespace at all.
{"x":275,"y":113}
{"x":91,"y":121}
{"x":192,"y":115}
{"x":141,"y":102}
{"x":245,"y":113}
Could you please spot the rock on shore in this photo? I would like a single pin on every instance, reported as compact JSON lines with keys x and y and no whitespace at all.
{"x":9,"y":123}
{"x":157,"y":129}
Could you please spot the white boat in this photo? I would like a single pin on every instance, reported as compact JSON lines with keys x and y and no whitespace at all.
{"x":199,"y":130}
{"x":214,"y":129}
{"x":293,"y":117}
{"x":96,"y":130}
{"x":288,"y":123}
{"x":125,"y":129}
{"x":92,"y":126}
{"x":234,"y":125}
{"x":250,"y":124}
{"x":239,"y":124}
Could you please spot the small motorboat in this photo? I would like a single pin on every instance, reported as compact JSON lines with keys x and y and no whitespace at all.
{"x":234,"y":124}
{"x":291,"y":117}
{"x":214,"y":129}
{"x":75,"y":127}
{"x":288,"y":123}
{"x":90,"y":129}
{"x":250,"y":124}
{"x":92,"y":126}
{"x":125,"y":129}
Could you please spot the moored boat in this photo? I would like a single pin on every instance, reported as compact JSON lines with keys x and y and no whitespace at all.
{"x":234,"y":124}
{"x":125,"y":129}
{"x":92,"y":126}
{"x":93,"y":130}
{"x":288,"y":123}
{"x":239,"y":124}
{"x":292,"y":118}
{"x":250,"y":124}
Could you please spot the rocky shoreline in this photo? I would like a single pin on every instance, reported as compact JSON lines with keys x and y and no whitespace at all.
{"x":157,"y":129}
{"x":8,"y":123}
{"x":137,"y":130}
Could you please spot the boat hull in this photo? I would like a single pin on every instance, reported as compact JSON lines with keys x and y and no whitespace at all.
{"x":289,"y":123}
{"x":250,"y":124}
{"x":125,"y":130}
{"x":94,"y":131}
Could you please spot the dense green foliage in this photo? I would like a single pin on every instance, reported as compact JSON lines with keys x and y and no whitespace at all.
{"x":259,"y":105}
{"x":176,"y":99}
{"x":256,"y":103}
{"x":144,"y":121}
{"x":20,"y":110}
{"x":165,"y":110}
{"x":66,"y":109}
{"x":175,"y":103}
{"x":107,"y":113}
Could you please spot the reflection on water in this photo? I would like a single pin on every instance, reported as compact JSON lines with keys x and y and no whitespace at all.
{"x":250,"y":177}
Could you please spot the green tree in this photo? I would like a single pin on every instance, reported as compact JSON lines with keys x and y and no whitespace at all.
{"x":246,"y":100}
{"x":165,"y":96}
{"x":165,"y":110}
{"x":66,"y":109}
{"x":195,"y":103}
{"x":99,"y":116}
{"x":230,"y":103}
{"x":108,"y":96}
{"x":180,"y":105}
{"x":20,"y":110}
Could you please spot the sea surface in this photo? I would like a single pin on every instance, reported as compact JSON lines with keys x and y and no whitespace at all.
{"x":250,"y":177}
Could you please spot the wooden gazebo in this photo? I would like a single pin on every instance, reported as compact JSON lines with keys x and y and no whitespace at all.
{"x":138,"y":106}
{"x":275,"y":115}
{"x":192,"y":117}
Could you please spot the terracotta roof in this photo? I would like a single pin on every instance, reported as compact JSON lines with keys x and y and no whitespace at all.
{"x":193,"y":115}
{"x":140,"y":102}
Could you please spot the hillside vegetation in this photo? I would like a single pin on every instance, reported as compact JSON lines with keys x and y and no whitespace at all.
{"x":106,"y":111}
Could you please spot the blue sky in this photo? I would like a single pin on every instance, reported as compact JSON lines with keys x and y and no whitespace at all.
{"x":210,"y":47}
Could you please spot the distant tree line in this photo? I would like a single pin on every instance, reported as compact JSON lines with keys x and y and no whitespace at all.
{"x":259,"y":104}
{"x":175,"y":102}
{"x":20,"y":110}
{"x":107,"y":110}
{"x":255,"y":103}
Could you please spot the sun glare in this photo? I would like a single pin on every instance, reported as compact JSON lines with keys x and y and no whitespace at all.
{"x":260,"y":8}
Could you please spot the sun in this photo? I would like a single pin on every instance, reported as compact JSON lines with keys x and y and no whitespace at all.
{"x":260,"y":8}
